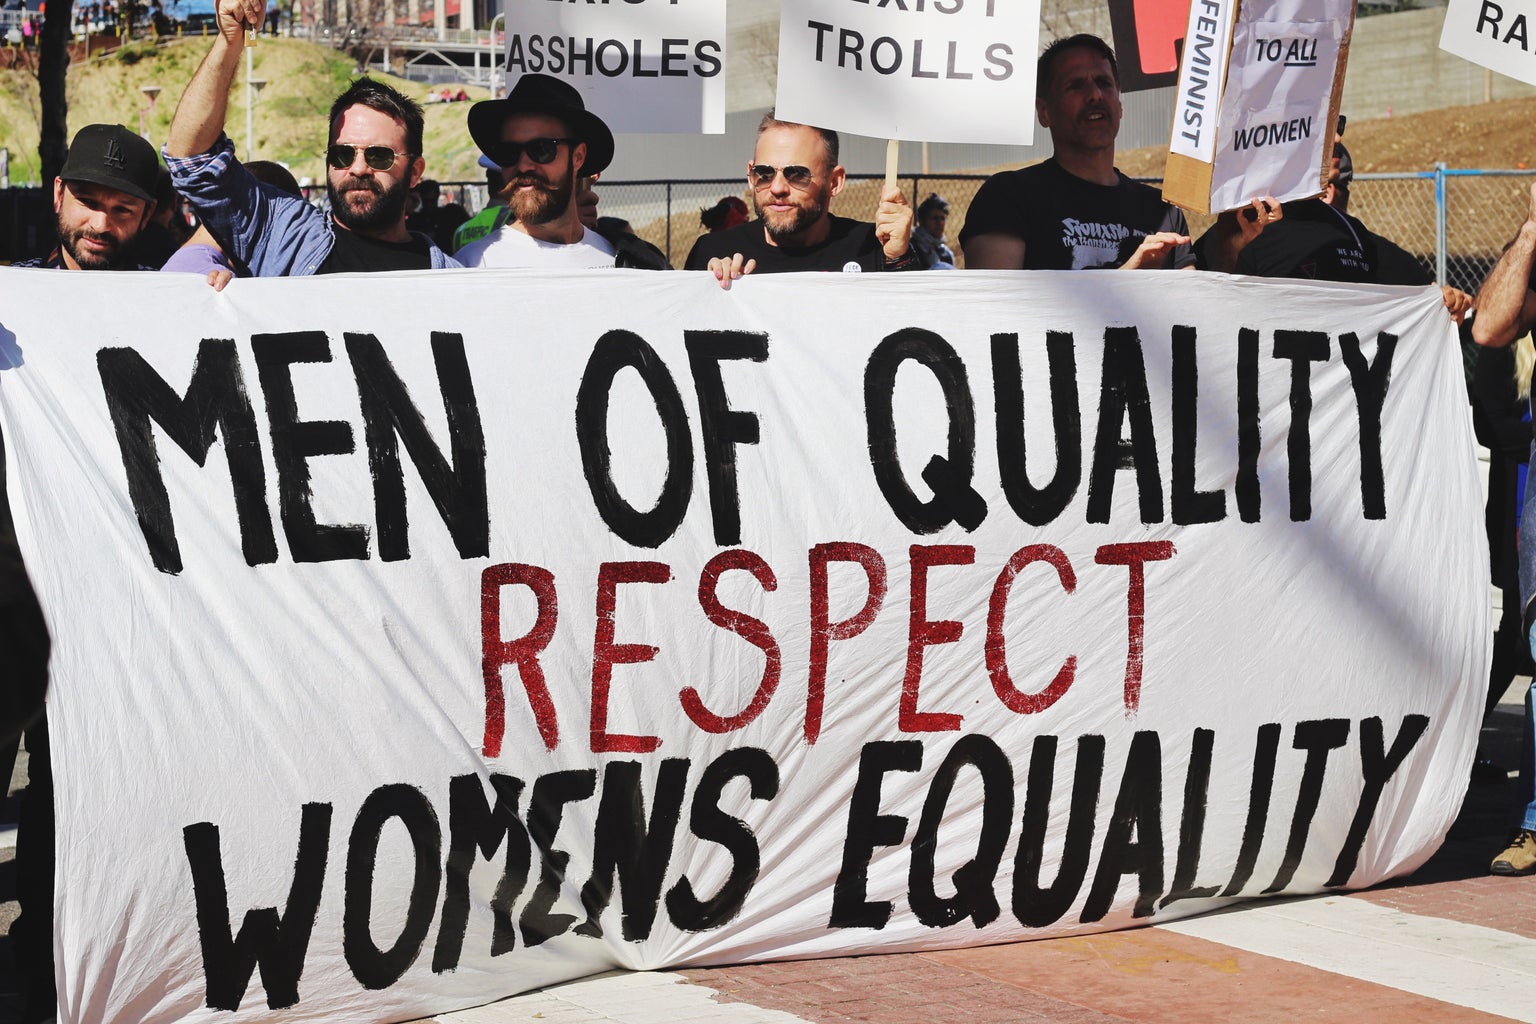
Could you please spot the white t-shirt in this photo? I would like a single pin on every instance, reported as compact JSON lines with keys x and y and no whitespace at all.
{"x":508,"y":248}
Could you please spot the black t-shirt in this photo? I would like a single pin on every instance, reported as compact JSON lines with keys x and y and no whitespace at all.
{"x":1067,"y":223}
{"x":355,"y":254}
{"x":1313,"y":241}
{"x":849,"y":245}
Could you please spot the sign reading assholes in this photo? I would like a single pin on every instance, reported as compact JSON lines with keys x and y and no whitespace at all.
{"x":945,"y":71}
{"x":439,"y":651}
{"x":655,"y":66}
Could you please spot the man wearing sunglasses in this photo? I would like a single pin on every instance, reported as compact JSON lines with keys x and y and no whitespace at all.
{"x":549,"y":147}
{"x":793,"y":175}
{"x":373,"y":160}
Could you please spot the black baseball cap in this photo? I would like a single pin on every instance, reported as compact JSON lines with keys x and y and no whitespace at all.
{"x":113,"y":156}
{"x":543,"y":94}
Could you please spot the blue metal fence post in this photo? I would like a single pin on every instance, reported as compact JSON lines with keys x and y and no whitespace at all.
{"x":1440,"y":222}
{"x":669,"y":222}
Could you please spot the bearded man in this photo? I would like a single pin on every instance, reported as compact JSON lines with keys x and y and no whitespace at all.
{"x":793,"y":175}
{"x":550,"y":148}
{"x":373,"y":160}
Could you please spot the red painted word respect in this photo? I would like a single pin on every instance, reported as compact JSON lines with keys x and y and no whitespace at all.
{"x":526,"y":651}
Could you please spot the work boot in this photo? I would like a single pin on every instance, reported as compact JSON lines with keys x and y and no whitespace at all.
{"x":1519,"y":858}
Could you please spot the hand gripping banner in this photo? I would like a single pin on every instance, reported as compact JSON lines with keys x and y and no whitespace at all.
{"x":423,"y":639}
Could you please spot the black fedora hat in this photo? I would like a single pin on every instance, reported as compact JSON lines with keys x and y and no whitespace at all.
{"x":542,"y":94}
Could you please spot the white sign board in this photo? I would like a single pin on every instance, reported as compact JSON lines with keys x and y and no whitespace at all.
{"x":954,"y":71}
{"x":642,"y":66}
{"x":1276,"y":93}
{"x":453,"y":634}
{"x":1493,"y":34}
{"x":1202,"y":74}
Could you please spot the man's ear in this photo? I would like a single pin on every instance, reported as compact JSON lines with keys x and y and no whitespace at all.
{"x":149,"y":211}
{"x":578,"y":159}
{"x":838,"y":178}
{"x":58,"y":194}
{"x":418,"y":168}
{"x":1041,"y":115}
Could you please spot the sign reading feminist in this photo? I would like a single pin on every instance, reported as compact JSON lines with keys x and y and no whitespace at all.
{"x":436,"y":654}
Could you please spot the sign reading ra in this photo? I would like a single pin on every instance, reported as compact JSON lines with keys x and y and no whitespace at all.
{"x":658,"y":624}
{"x":654,"y":66}
{"x":1494,"y":34}
{"x":938,"y":71}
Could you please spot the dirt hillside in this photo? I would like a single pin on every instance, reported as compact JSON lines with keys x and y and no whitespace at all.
{"x":1487,"y":136}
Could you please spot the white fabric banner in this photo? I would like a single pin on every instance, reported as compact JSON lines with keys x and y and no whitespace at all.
{"x":1275,"y":130}
{"x":951,"y":71}
{"x":1494,"y":34}
{"x":656,"y":67}
{"x":422,"y":639}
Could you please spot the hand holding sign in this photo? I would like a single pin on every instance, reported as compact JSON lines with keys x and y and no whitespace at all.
{"x":236,"y":16}
{"x":1236,"y":228}
{"x":893,"y":222}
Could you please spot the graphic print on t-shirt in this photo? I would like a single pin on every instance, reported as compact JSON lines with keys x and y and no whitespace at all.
{"x":1093,"y":244}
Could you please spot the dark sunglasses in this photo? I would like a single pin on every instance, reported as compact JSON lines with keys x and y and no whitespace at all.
{"x":797,"y":176}
{"x":380,"y":158}
{"x":540,"y":151}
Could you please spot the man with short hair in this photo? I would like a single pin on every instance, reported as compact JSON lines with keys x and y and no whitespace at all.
{"x":102,"y":200}
{"x":373,"y":160}
{"x":548,"y":146}
{"x":1076,"y":211}
{"x":793,"y":175}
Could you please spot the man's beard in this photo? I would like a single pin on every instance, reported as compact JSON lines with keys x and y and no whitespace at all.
{"x":115,"y":258}
{"x":786,"y":227}
{"x":545,"y":201}
{"x":383,"y":214}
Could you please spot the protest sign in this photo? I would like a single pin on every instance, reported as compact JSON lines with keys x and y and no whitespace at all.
{"x":421,"y":639}
{"x":1494,"y":34}
{"x":1148,"y":35}
{"x":950,"y":71}
{"x":1257,"y":97}
{"x":642,"y":66}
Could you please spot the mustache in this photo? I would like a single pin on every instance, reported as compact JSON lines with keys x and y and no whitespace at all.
{"x":354,"y":184}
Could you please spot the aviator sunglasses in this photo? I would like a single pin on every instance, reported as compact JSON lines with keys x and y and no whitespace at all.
{"x":540,"y":151}
{"x":797,"y":176}
{"x":380,"y":158}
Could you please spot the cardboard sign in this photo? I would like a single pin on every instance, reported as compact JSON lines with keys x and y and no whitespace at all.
{"x":645,"y":66}
{"x":952,"y":71}
{"x":1493,"y":34}
{"x":1257,"y":99}
{"x":454,"y":634}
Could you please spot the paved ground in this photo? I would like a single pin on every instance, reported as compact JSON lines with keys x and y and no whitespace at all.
{"x":1448,"y":945}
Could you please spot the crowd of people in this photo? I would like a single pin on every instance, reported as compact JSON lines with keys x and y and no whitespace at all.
{"x":542,"y":150}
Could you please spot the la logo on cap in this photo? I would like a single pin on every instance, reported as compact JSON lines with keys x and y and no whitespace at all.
{"x":113,"y":157}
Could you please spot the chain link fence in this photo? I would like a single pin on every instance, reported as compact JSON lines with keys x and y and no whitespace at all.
{"x":1455,"y":222}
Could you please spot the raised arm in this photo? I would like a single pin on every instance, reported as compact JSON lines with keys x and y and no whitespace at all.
{"x":199,"y":116}
{"x":1506,"y":306}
